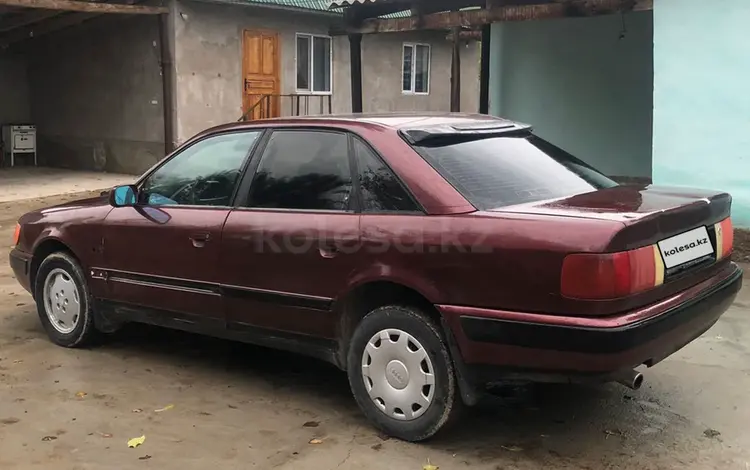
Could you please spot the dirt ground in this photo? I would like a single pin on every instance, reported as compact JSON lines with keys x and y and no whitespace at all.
{"x":33,"y":182}
{"x":241,"y":407}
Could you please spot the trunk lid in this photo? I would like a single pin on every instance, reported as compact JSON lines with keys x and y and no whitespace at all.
{"x":649,"y":214}
{"x":670,"y":218}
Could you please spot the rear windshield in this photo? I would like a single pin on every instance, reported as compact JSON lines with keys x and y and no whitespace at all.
{"x":494,"y":172}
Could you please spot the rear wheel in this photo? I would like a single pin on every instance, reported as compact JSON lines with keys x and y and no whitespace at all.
{"x":62,"y":299}
{"x":401,"y":373}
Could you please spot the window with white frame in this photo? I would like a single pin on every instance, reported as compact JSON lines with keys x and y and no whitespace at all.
{"x":314,"y":63}
{"x":415,"y":71}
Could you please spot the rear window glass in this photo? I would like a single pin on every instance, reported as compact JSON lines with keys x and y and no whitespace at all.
{"x":502,"y":171}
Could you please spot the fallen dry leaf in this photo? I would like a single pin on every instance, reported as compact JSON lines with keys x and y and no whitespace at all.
{"x":81,"y":394}
{"x":711,"y":433}
{"x":166,"y":408}
{"x":136,"y":441}
{"x":429,"y":466}
{"x":316,"y":441}
{"x":49,"y":438}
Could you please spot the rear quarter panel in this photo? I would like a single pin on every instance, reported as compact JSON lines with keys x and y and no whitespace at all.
{"x":504,"y":261}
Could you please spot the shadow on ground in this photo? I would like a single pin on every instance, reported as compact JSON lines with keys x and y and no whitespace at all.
{"x":535,"y":422}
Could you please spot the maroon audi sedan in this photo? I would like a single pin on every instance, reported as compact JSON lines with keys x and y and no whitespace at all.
{"x":425,"y":255}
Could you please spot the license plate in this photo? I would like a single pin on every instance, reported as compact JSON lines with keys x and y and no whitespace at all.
{"x":685,"y":247}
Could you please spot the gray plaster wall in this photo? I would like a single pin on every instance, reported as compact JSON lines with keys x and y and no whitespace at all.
{"x":381,"y":73}
{"x":14,"y":89}
{"x":208,"y":59}
{"x":96,"y":95}
{"x":208,"y":62}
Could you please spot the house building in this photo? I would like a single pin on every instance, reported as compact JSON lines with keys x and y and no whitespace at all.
{"x":112,"y":87}
{"x":228,"y":56}
{"x":645,"y":90}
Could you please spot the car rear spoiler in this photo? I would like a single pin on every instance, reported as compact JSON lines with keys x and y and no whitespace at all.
{"x":421,"y":135}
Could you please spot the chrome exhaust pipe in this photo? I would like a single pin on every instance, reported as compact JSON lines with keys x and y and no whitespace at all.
{"x":631,"y":379}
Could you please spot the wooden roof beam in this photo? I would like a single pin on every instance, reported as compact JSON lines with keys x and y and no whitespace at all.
{"x":495,"y":14}
{"x":467,"y":35}
{"x":86,"y":7}
{"x":49,"y":26}
{"x":25,"y":19}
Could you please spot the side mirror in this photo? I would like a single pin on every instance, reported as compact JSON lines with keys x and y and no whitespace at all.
{"x":123,"y":196}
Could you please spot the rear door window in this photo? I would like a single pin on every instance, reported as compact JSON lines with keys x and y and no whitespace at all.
{"x":303,"y":169}
{"x":380,"y":188}
{"x":494,"y":172}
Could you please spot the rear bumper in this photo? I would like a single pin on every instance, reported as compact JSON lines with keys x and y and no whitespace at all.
{"x":20,"y":263}
{"x":496,"y":345}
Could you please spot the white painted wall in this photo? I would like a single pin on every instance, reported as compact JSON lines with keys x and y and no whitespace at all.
{"x":580,"y":85}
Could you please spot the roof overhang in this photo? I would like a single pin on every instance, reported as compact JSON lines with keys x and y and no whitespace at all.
{"x":449,"y":14}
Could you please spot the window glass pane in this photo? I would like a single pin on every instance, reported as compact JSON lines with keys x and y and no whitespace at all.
{"x":321,"y":64}
{"x":303,"y":170}
{"x":406,"y":82}
{"x":303,"y":62}
{"x":422,"y":69}
{"x":204,"y":174}
{"x":501,"y":171}
{"x":381,"y":190}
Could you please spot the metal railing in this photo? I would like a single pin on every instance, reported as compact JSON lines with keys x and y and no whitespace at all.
{"x":270,"y":106}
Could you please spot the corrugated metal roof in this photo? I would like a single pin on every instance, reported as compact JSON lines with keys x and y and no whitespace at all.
{"x":315,"y":5}
{"x":346,"y":3}
{"x":310,"y":5}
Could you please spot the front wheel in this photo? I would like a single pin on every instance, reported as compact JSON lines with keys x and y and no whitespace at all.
{"x":63,"y":303}
{"x":401,"y":373}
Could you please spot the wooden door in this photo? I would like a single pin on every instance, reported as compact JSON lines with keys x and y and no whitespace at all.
{"x":261,"y":73}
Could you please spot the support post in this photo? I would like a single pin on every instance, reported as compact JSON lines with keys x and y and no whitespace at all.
{"x":355,"y":52}
{"x":167,"y":79}
{"x":456,"y":72}
{"x":484,"y":72}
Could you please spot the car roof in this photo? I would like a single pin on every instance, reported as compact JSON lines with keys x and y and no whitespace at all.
{"x":410,"y":120}
{"x":396,"y":121}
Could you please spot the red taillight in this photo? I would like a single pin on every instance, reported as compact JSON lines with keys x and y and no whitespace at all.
{"x":16,"y":234}
{"x":611,"y":275}
{"x":724,"y":238}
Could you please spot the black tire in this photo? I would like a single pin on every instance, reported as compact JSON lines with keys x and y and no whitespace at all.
{"x":445,"y":403}
{"x":84,"y":331}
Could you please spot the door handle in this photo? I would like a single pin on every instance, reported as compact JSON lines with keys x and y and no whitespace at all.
{"x":328,"y":250}
{"x":199,"y":239}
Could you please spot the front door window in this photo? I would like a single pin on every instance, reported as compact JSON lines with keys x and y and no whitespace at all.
{"x":204,"y":174}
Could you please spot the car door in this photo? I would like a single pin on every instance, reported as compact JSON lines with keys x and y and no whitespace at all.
{"x":289,"y":247}
{"x":162,"y":256}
